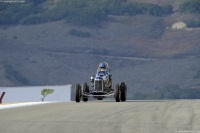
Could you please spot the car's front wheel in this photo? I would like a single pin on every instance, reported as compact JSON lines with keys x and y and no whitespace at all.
{"x":117,"y":93}
{"x":85,"y":90}
{"x":78,"y":93}
{"x":123,"y":89}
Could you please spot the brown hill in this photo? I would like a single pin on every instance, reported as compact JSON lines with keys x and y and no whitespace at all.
{"x":142,"y":50}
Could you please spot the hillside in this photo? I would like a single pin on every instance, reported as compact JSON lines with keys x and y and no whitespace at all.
{"x":142,"y":50}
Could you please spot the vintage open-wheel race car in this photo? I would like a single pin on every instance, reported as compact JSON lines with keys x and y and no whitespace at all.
{"x":101,"y":85}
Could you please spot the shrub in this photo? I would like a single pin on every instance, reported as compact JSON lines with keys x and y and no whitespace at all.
{"x":13,"y":13}
{"x":76,"y":12}
{"x":133,"y":8}
{"x":46,"y":92}
{"x":33,"y":19}
{"x":79,"y":33}
{"x":190,"y":6}
{"x":193,"y":24}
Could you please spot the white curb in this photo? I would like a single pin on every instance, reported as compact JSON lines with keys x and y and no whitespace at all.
{"x":21,"y":104}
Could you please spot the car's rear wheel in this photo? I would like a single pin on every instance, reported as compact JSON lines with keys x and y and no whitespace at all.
{"x":117,"y":93}
{"x":78,"y":93}
{"x":85,"y":90}
{"x":123,"y":89}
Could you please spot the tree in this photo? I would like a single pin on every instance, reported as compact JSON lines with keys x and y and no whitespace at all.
{"x":45,"y":92}
{"x":190,"y":6}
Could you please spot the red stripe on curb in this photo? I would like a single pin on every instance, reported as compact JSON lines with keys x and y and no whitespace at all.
{"x":2,"y":95}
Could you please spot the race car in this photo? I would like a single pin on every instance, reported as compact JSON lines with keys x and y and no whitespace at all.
{"x":101,"y":84}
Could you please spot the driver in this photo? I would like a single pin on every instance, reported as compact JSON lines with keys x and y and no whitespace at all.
{"x":103,"y":66}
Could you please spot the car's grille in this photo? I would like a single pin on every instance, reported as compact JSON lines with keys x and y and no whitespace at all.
{"x":98,"y":85}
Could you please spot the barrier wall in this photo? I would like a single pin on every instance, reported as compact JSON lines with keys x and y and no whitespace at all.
{"x":33,"y":93}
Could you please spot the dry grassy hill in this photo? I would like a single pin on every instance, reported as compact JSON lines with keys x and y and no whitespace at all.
{"x":142,"y":50}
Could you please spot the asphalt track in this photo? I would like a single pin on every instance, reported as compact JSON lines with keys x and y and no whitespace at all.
{"x":168,"y":116}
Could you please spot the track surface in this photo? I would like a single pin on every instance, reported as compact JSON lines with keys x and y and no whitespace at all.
{"x":172,"y":116}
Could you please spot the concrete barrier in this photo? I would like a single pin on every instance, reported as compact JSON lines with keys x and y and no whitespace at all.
{"x":61,"y":93}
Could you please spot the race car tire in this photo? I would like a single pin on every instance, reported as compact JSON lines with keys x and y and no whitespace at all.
{"x":85,"y":89}
{"x":117,"y":93}
{"x":78,"y":93}
{"x":123,"y":89}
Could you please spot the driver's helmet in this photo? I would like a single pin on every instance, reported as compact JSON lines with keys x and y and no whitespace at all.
{"x":102,"y":67}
